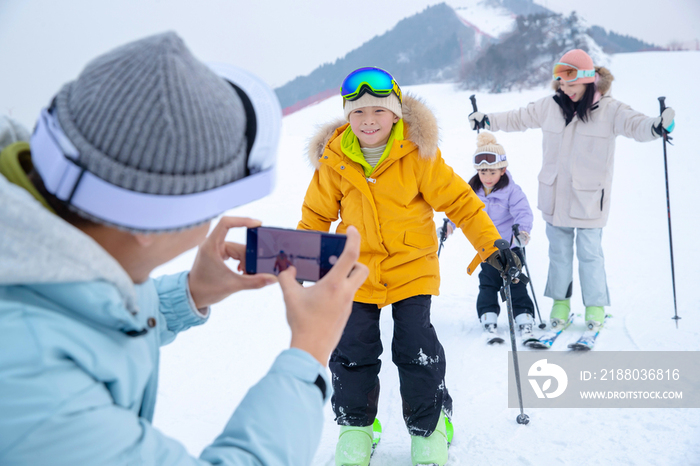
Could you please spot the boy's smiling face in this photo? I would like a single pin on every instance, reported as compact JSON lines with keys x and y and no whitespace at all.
{"x":372,"y":125}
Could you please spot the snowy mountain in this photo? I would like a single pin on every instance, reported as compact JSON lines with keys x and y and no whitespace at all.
{"x":420,"y":49}
{"x":524,"y":58}
{"x":208,"y":369}
{"x":490,"y":44}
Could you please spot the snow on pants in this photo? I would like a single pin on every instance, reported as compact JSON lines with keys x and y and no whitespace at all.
{"x":591,"y":264}
{"x":416,"y":352}
{"x":490,"y":283}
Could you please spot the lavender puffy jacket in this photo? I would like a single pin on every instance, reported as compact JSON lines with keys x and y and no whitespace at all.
{"x":507,"y":206}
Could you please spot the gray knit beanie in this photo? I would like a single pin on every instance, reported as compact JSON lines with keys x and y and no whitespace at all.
{"x":151,"y":118}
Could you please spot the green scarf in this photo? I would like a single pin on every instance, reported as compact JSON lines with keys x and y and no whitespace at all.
{"x":15,"y":161}
{"x":351,"y":147}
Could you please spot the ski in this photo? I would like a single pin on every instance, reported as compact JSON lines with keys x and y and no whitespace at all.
{"x":530,"y":340}
{"x":587,"y":340}
{"x":494,"y":340}
{"x":492,"y":336}
{"x":526,"y":336}
{"x":547,"y":340}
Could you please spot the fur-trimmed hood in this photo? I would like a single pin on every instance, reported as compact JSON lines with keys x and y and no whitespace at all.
{"x":420,"y":128}
{"x":604,"y":77}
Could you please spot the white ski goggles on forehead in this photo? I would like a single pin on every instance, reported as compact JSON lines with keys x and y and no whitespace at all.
{"x":56,"y":160}
{"x":488,"y":158}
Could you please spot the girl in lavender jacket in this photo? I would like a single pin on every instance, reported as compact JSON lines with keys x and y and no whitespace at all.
{"x":507,"y":205}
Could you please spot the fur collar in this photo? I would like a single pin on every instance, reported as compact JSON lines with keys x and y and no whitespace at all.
{"x":420,"y":128}
{"x":605,"y":79}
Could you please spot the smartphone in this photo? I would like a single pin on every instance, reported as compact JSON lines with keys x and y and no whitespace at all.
{"x":272,"y":250}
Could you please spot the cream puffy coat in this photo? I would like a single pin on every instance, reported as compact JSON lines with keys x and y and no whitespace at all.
{"x":575,"y":182}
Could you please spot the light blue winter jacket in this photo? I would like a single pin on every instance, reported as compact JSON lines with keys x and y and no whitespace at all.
{"x":79,"y":347}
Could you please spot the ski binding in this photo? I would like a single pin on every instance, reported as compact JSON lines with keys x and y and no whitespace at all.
{"x":587,"y":340}
{"x":547,"y":340}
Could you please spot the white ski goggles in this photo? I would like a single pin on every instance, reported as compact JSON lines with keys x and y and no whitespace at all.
{"x":488,"y":158}
{"x":56,"y":160}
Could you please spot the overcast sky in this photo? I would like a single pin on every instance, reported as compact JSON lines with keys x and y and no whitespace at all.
{"x":44,"y":43}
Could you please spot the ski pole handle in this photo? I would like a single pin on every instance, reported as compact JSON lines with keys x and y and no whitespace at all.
{"x":443,"y":235}
{"x":473,"y":99}
{"x":505,"y":257}
{"x":662,"y":107}
{"x":516,"y":232}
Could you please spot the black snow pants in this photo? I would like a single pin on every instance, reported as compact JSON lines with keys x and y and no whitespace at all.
{"x":416,"y":352}
{"x":490,"y":283}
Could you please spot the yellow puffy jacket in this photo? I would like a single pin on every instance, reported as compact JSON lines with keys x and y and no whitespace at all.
{"x":393,"y":208}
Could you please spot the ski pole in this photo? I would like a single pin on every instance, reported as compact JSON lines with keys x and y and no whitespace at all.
{"x":473,"y":99}
{"x":443,"y":235}
{"x":516,"y":234}
{"x":511,"y":272}
{"x":662,"y":107}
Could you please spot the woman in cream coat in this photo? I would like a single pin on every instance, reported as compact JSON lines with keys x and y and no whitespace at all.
{"x":579,"y":125}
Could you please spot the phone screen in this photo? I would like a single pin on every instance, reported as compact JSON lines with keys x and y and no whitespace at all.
{"x":273,"y":250}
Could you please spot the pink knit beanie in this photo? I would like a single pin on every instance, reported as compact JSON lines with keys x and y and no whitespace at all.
{"x":580,"y":60}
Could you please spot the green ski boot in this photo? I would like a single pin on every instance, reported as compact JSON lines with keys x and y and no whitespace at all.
{"x":595,"y":316}
{"x":432,"y":450}
{"x":560,"y":313}
{"x":356,"y":444}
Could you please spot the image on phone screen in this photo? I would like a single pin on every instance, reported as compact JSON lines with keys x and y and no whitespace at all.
{"x":273,"y":250}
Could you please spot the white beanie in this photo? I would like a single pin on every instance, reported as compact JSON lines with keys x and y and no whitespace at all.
{"x":486,"y":143}
{"x":390,"y":102}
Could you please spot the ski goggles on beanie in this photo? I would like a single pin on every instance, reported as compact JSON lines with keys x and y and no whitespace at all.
{"x":488,"y":158}
{"x":57,"y":161}
{"x":374,"y":81}
{"x":569,"y":73}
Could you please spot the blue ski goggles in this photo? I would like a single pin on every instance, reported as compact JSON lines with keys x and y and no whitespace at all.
{"x":374,"y":81}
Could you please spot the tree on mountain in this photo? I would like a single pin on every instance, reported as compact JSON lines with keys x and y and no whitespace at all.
{"x":523,"y":59}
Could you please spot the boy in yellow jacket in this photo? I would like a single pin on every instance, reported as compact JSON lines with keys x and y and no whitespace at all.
{"x":381,"y":170}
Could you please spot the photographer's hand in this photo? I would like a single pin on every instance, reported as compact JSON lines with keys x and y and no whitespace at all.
{"x":210,"y":279}
{"x":317,"y":314}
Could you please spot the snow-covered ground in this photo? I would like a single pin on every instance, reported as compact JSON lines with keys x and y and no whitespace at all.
{"x":208,"y":369}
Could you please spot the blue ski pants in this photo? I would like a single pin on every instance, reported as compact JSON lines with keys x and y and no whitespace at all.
{"x":591,"y":264}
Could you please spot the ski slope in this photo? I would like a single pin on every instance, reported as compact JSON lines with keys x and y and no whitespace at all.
{"x":207,"y":370}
